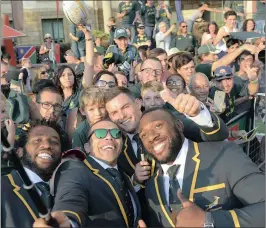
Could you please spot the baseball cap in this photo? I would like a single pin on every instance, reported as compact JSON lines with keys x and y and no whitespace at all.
{"x":208,"y":48}
{"x":47,"y":35}
{"x":223,"y":72}
{"x":46,"y":61}
{"x":70,"y":52}
{"x":141,"y":26}
{"x":120,"y":32}
{"x":172,"y":52}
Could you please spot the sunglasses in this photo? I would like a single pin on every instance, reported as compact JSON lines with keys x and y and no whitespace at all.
{"x":185,"y":26}
{"x":43,"y":72}
{"x":102,"y":133}
{"x":102,"y":83}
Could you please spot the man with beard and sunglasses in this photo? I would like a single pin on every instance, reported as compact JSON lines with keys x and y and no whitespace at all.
{"x":96,"y":192}
{"x":40,"y":148}
{"x":221,"y":186}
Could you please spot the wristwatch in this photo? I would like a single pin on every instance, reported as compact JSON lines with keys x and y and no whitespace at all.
{"x":208,"y":220}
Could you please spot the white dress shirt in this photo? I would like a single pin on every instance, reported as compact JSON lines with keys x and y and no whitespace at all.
{"x":203,"y":118}
{"x":180,"y":160}
{"x":105,"y":166}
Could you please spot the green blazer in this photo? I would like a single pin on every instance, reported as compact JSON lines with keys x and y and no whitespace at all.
{"x":219,"y":177}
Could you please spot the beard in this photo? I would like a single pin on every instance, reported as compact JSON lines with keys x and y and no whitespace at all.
{"x":175,"y":147}
{"x":44,"y":173}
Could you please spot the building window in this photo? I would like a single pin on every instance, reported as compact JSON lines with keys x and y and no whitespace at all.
{"x":55,"y":28}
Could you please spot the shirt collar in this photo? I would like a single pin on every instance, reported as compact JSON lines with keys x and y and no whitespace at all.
{"x":131,"y":136}
{"x":102,"y":164}
{"x":180,"y":159}
{"x":33,"y":176}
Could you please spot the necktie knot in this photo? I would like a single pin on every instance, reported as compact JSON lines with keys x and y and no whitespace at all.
{"x":43,"y":187}
{"x":45,"y":194}
{"x":172,"y":171}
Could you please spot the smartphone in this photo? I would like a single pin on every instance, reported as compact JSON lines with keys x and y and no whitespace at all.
{"x":219,"y":98}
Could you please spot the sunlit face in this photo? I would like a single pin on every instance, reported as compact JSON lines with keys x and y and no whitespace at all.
{"x":94,"y":112}
{"x":67,"y":79}
{"x":250,"y":26}
{"x":152,"y":99}
{"x":176,"y":84}
{"x":230,"y":21}
{"x":70,"y":59}
{"x":4,"y":115}
{"x":122,"y":43}
{"x":105,"y":149}
{"x":187,"y":71}
{"x":27,"y":63}
{"x":106,"y":81}
{"x":164,"y":61}
{"x":151,"y":70}
{"x":226,"y":85}
{"x":183,"y":27}
{"x":163,"y":27}
{"x":43,"y":73}
{"x":124,"y":112}
{"x":232,"y":48}
{"x":212,"y":28}
{"x":140,"y":31}
{"x":210,"y":57}
{"x":245,"y":62}
{"x":121,"y":80}
{"x":200,"y":88}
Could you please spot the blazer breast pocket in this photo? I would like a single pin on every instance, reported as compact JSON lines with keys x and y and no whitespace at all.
{"x":212,"y":199}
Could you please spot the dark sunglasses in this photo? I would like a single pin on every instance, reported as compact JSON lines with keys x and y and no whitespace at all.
{"x":102,"y":133}
{"x":185,"y":26}
{"x":43,"y":72}
{"x":102,"y":83}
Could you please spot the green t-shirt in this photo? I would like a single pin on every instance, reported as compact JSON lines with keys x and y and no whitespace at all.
{"x":242,"y":84}
{"x":163,"y":16}
{"x":148,"y":15}
{"x":130,"y":9}
{"x":140,"y":39}
{"x":136,"y":90}
{"x":80,"y":136}
{"x":81,"y":41}
{"x":260,"y":14}
{"x":71,"y":102}
{"x":100,"y":50}
{"x":182,"y":42}
{"x":205,"y":68}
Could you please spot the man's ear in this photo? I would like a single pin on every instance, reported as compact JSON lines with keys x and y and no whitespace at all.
{"x":87,"y":148}
{"x":19,"y":152}
{"x":82,"y":111}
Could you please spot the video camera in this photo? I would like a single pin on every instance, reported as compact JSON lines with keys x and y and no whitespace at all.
{"x":118,"y":60}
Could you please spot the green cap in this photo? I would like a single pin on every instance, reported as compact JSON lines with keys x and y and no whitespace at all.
{"x":208,"y":48}
{"x":120,"y":32}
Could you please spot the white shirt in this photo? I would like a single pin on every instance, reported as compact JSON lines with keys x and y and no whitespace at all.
{"x":163,"y":42}
{"x":180,"y":160}
{"x":105,"y":166}
{"x":203,"y":118}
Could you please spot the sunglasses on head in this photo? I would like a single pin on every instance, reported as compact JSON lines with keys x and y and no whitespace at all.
{"x":102,"y":133}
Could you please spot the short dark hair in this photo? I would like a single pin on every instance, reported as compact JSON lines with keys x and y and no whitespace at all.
{"x":97,"y":77}
{"x":24,"y":134}
{"x":159,"y":109}
{"x":112,"y":19}
{"x":50,"y":89}
{"x":149,"y":58}
{"x":156,"y":52}
{"x":115,"y":91}
{"x":41,"y":84}
{"x":244,"y":54}
{"x":244,"y":27}
{"x":5,"y":56}
{"x":57,"y":75}
{"x":232,"y":41}
{"x":181,"y":59}
{"x":230,"y":13}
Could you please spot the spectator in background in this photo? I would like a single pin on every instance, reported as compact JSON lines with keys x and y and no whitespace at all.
{"x":259,"y":16}
{"x":176,"y":84}
{"x":163,"y":13}
{"x":46,"y":46}
{"x":210,"y":34}
{"x":160,"y":54}
{"x":98,"y":46}
{"x":5,"y":57}
{"x":163,"y":37}
{"x":150,"y":94}
{"x":76,"y":64}
{"x":41,"y":74}
{"x":74,"y":43}
{"x":230,"y":26}
{"x":148,"y":12}
{"x":25,"y":73}
{"x":143,"y":52}
{"x":104,"y":79}
{"x":249,"y":25}
{"x":80,"y":39}
{"x":172,"y":53}
{"x":199,"y":87}
{"x":183,"y":39}
{"x":121,"y":79}
{"x":111,"y":25}
{"x":98,"y":62}
{"x":141,"y":39}
{"x":207,"y":53}
{"x":127,"y":13}
{"x":47,"y":63}
{"x":238,"y":7}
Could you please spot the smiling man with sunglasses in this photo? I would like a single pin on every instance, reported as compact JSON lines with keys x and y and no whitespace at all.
{"x":96,"y":193}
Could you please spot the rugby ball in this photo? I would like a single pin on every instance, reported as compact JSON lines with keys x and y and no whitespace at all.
{"x":76,"y":11}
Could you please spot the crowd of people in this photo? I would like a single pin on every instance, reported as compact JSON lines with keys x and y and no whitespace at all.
{"x":136,"y":134}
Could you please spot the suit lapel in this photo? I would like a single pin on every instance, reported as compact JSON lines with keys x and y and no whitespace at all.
{"x":22,"y":194}
{"x":191,"y":171}
{"x":107,"y":178}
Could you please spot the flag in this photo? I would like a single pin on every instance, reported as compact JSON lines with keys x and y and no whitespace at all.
{"x":17,"y":14}
{"x":27,"y":52}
